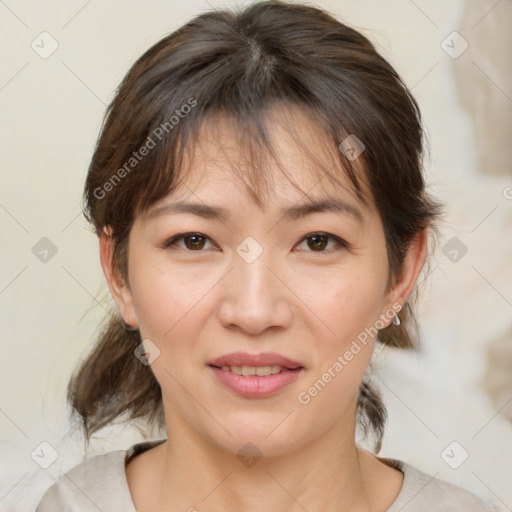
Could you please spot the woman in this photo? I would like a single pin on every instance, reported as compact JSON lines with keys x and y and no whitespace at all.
{"x":262,"y":220}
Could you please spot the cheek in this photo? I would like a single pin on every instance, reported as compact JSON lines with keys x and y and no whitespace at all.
{"x":164,"y":298}
{"x":350,"y":312}
{"x":347,"y":301}
{"x":359,"y":298}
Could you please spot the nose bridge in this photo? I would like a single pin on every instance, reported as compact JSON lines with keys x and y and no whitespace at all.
{"x":255,"y":299}
{"x":251,"y":269}
{"x":251,"y":265}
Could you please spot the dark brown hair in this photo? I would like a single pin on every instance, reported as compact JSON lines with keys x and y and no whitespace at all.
{"x":244,"y":64}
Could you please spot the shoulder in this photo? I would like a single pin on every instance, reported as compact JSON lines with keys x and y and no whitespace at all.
{"x":421,"y":492}
{"x":99,"y":483}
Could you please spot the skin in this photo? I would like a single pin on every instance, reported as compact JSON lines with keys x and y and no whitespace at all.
{"x":306,"y":303}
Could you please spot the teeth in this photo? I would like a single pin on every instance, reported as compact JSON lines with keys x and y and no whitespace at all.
{"x":261,"y":371}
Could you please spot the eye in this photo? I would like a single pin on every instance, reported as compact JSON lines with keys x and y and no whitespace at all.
{"x":192,"y":241}
{"x":195,"y":242}
{"x":317,"y":242}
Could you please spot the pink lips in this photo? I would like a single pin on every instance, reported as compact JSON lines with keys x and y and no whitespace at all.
{"x":263,"y":359}
{"x":254,"y":385}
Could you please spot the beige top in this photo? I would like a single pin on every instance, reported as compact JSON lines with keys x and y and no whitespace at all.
{"x":99,"y":484}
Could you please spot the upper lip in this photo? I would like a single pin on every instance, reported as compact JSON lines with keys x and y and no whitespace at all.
{"x":262,"y":359}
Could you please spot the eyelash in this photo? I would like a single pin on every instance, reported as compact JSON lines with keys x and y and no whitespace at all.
{"x":342,"y":244}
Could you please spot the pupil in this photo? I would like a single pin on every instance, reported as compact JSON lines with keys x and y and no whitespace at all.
{"x":316,"y":243}
{"x":197,"y":244}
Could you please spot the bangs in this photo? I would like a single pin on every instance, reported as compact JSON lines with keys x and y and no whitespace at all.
{"x":254,"y":136}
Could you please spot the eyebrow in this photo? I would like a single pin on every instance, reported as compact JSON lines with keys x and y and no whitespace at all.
{"x":329,"y":204}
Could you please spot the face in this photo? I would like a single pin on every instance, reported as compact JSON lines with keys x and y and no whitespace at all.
{"x":308,"y":286}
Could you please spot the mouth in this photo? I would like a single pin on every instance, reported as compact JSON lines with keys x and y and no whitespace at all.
{"x":245,"y":363}
{"x":260,"y":371}
{"x":255,"y":375}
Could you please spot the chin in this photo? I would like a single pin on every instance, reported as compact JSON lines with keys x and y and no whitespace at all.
{"x":252,"y":437}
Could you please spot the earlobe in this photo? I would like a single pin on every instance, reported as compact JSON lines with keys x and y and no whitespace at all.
{"x":119,"y":290}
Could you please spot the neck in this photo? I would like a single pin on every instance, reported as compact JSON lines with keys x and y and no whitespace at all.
{"x":326,"y":474}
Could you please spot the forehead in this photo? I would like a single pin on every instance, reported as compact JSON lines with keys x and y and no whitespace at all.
{"x":294,"y":160}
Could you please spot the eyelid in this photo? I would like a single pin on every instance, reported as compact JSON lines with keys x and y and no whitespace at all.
{"x":342,"y":244}
{"x":172,"y":241}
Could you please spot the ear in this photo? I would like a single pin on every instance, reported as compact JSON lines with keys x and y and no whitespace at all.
{"x":411,"y":268}
{"x":119,"y":290}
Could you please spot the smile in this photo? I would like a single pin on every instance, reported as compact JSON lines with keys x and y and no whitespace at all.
{"x":260,"y":371}
{"x":256,"y":381}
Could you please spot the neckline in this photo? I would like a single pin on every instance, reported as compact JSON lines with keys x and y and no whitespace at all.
{"x":398,"y":464}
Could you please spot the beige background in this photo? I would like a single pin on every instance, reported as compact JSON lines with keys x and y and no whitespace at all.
{"x":51,"y":114}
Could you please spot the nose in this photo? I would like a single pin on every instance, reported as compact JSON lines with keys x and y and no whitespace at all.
{"x":255,"y":297}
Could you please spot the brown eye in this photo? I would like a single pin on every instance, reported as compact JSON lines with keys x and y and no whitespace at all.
{"x":317,"y":242}
{"x":191,"y":242}
{"x":194,"y":242}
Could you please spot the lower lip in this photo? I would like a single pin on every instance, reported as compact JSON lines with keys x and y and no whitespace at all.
{"x":255,"y":386}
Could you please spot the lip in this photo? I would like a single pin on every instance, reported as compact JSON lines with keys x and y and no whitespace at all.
{"x":262,"y":359}
{"x":254,"y":386}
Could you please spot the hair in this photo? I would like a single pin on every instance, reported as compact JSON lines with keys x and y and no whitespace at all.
{"x":244,"y":64}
